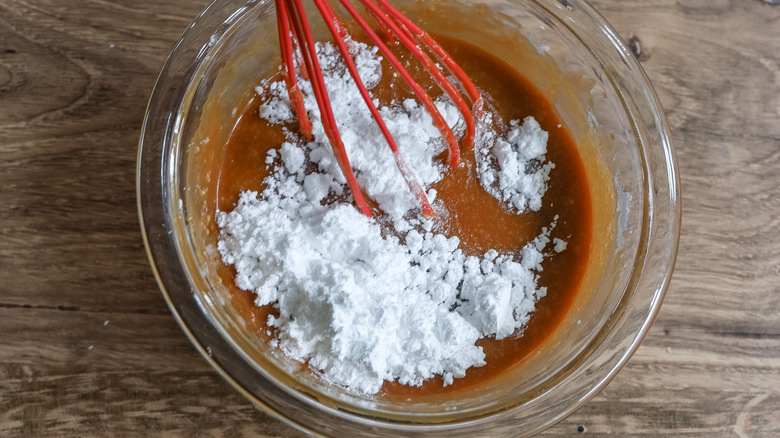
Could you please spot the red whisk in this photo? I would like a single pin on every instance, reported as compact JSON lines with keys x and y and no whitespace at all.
{"x":295,"y":34}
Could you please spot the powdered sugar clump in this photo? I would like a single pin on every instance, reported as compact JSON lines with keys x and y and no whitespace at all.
{"x":362,"y":306}
{"x":513,"y":169}
{"x":350,"y":302}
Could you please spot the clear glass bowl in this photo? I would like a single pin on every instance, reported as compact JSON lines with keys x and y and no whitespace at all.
{"x":576,"y":59}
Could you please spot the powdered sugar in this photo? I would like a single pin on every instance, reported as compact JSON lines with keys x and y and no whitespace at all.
{"x":371,"y":159}
{"x":350,"y":301}
{"x":362,"y":305}
{"x":513,"y":168}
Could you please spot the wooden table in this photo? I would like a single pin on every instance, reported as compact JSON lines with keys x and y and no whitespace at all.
{"x":88,"y":347}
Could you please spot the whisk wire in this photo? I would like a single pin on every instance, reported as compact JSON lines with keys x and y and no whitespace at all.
{"x":294,"y":32}
{"x":295,"y":11}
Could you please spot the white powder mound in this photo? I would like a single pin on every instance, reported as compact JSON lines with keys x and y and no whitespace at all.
{"x":513,"y":169}
{"x":372,"y":160}
{"x":362,"y":306}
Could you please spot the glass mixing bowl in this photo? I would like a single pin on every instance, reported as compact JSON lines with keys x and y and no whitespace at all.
{"x":576,"y":59}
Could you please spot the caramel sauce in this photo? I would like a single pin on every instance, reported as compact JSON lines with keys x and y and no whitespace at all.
{"x":474,"y":216}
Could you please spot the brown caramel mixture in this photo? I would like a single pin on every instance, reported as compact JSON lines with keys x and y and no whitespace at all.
{"x":475,"y":217}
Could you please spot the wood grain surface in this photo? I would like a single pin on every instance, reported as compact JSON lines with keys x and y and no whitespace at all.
{"x":89,"y":348}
